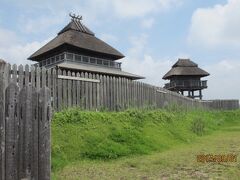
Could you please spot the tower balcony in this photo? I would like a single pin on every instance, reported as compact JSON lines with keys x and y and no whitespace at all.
{"x":186,"y":85}
{"x":76,"y":58}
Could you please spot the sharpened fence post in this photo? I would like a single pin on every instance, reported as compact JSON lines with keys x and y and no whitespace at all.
{"x":44,"y":134}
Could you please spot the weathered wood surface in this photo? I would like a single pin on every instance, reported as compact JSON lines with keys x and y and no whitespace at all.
{"x":93,"y":91}
{"x":3,"y":68}
{"x":44,"y":164}
{"x":25,"y":129}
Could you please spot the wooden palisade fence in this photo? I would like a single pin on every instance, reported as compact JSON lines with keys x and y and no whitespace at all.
{"x":25,"y":114}
{"x":27,"y":95}
{"x":92,"y":91}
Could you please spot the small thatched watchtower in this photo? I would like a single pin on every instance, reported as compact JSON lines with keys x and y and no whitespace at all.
{"x":185,"y":75}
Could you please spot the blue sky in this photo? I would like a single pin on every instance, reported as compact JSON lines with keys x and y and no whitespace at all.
{"x":152,"y":34}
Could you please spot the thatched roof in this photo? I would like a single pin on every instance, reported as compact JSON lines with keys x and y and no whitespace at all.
{"x":98,"y":69}
{"x":185,"y":67}
{"x":185,"y":63}
{"x":79,"y":36}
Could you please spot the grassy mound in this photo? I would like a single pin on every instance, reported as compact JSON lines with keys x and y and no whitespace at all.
{"x":79,"y":135}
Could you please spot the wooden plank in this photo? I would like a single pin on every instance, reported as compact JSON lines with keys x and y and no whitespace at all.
{"x":127,"y":94}
{"x":12,"y":132}
{"x":54,"y":88}
{"x":64,"y":90}
{"x":78,"y":89}
{"x":101,"y":92}
{"x":131,"y":91}
{"x":132,"y":94}
{"x":33,"y":76}
{"x":69,"y":91}
{"x":43,"y":79}
{"x":49,"y":83}
{"x":82,"y":93}
{"x":94,"y":89}
{"x":86,"y":92}
{"x":138,"y":94}
{"x":14,"y":75}
{"x":114,"y":92}
{"x":35,"y":137}
{"x":104,"y":92}
{"x":20,"y":76}
{"x":90,"y":92}
{"x":155,"y":96}
{"x":38,"y":78}
{"x":120,"y":93}
{"x":74,"y":91}
{"x":123,"y":93}
{"x":26,"y":132}
{"x":107,"y":93}
{"x":27,"y":76}
{"x":98,"y":93}
{"x":142,"y":95}
{"x":44,"y":170}
{"x":135,"y":94}
{"x":117,"y":94}
{"x":59,"y":92}
{"x":2,"y":118}
{"x":79,"y":79}
{"x":110,"y":93}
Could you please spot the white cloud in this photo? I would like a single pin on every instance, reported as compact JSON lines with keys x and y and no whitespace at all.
{"x":151,"y":68}
{"x":147,"y":23}
{"x":216,"y":26}
{"x":130,"y":8}
{"x":140,"y":62}
{"x":41,"y":24}
{"x":93,"y":9}
{"x":138,"y":45}
{"x":7,"y":38}
{"x":224,"y":80}
{"x":13,"y":50}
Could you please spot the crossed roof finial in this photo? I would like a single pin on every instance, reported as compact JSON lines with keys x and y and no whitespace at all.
{"x":75,"y":17}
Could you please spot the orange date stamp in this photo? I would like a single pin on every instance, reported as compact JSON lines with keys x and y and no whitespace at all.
{"x":219,"y":158}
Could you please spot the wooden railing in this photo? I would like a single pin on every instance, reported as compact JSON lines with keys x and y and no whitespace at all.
{"x":186,"y":84}
{"x":76,"y":58}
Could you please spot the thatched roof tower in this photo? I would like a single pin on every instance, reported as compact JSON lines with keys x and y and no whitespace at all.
{"x":77,"y":48}
{"x":185,"y":75}
{"x":185,"y":67}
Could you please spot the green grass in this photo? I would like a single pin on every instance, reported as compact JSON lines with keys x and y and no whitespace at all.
{"x":79,"y":136}
{"x":179,"y":162}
